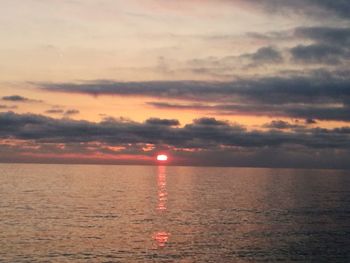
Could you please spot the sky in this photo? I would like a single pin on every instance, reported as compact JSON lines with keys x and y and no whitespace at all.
{"x":208,"y":82}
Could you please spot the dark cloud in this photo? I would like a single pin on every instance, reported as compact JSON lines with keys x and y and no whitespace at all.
{"x":165,"y":122}
{"x":204,"y":138}
{"x":266,"y":55}
{"x":319,"y":53}
{"x":15,"y":98}
{"x":71,"y":112}
{"x":18,"y":98}
{"x":276,"y":90}
{"x":336,"y":36}
{"x":209,"y":122}
{"x":339,"y":7}
{"x":310,"y":121}
{"x":292,"y":110}
{"x":61,"y":111}
{"x":330,"y":45}
{"x":322,"y":95}
{"x":221,"y":66}
{"x":281,"y":125}
{"x":201,"y":133}
{"x":315,"y":8}
{"x":55,"y":111}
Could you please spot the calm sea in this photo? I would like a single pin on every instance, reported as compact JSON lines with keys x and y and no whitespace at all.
{"x":86,"y":213}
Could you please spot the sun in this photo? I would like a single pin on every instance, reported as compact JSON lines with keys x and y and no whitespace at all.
{"x":162,"y":157}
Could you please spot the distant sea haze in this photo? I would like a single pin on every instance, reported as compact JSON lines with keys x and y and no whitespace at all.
{"x":104,"y":213}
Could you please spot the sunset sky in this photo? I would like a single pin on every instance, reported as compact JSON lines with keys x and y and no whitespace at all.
{"x":209,"y":82}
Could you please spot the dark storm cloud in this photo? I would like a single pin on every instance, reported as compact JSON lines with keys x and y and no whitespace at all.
{"x":18,"y":98}
{"x":205,"y":133}
{"x":165,"y":122}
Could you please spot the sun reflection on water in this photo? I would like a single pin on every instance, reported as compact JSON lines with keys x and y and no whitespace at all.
{"x":161,"y":237}
{"x":162,"y":192}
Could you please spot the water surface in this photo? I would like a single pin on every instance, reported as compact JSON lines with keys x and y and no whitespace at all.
{"x":86,"y":213}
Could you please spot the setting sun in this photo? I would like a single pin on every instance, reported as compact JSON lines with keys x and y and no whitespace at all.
{"x":162,"y":157}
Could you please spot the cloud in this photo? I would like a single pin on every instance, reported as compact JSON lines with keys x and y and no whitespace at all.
{"x":281,"y":125}
{"x":204,"y":138}
{"x":266,"y":55}
{"x":226,"y":65}
{"x":165,"y":122}
{"x":293,"y":110}
{"x":336,"y":36}
{"x":323,"y":46}
{"x":315,"y":8}
{"x":321,"y":95}
{"x":318,"y":53}
{"x":71,"y":112}
{"x":277,"y":90}
{"x":55,"y":111}
{"x":63,"y":112}
{"x":18,"y":98}
{"x":202,"y":132}
{"x":205,"y":121}
{"x":310,"y":121}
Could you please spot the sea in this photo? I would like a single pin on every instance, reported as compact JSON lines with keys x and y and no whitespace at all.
{"x":106,"y":213}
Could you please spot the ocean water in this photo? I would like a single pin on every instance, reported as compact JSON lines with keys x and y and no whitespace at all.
{"x":87,"y":213}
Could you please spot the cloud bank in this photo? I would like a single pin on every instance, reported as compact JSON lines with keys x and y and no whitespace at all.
{"x":204,"y":136}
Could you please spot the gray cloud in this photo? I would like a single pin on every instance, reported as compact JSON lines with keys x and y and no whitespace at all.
{"x":18,"y":98}
{"x":201,"y":133}
{"x":207,"y":137}
{"x":282,"y":125}
{"x":310,"y":121}
{"x":55,"y":111}
{"x":165,"y":122}
{"x":277,"y":90}
{"x":322,"y":96}
{"x":316,"y":8}
{"x":319,"y":53}
{"x":266,"y":55}
{"x":293,"y":110}
{"x":71,"y":112}
{"x":328,"y":35}
{"x":209,"y":122}
{"x":62,"y":111}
